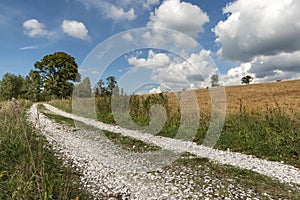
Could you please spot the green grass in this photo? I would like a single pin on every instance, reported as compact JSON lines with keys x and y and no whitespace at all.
{"x":29,"y":168}
{"x":65,"y":104}
{"x":228,"y":175}
{"x":57,"y":118}
{"x":130,"y":144}
{"x":126,"y":143}
{"x":272,"y":134}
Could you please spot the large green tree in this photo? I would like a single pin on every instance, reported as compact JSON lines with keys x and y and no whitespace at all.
{"x":32,"y":86}
{"x":11,"y":86}
{"x":247,"y":79}
{"x":58,"y":70}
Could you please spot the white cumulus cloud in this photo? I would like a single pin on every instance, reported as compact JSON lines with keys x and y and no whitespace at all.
{"x":154,"y":60}
{"x":282,"y":63}
{"x":175,"y":72}
{"x":33,"y":28}
{"x":155,"y":90}
{"x":235,"y":74}
{"x":257,"y":27}
{"x":75,"y":29}
{"x":149,"y":3}
{"x":283,"y":66}
{"x":181,"y":16}
{"x":120,"y":10}
{"x":119,"y":13}
{"x":263,"y":36}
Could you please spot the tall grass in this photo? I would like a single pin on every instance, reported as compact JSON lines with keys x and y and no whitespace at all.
{"x":29,"y":168}
{"x":273,"y":135}
{"x":63,"y":104}
{"x":272,"y":131}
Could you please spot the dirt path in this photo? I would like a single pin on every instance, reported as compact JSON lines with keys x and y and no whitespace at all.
{"x":109,"y":171}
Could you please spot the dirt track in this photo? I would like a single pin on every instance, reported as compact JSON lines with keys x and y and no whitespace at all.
{"x":109,"y":171}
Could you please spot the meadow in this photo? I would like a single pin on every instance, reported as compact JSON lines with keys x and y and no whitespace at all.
{"x":29,"y":168}
{"x":261,"y":119}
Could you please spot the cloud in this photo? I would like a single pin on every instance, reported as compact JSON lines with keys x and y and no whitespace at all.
{"x":119,"y":13}
{"x":149,"y":3}
{"x":267,"y":66}
{"x":234,"y":75}
{"x":110,"y":10}
{"x":155,"y":90}
{"x":181,"y":16}
{"x":152,"y":61}
{"x":278,"y":75}
{"x":177,"y":73}
{"x":127,"y":36}
{"x":254,"y":28}
{"x":33,"y":28}
{"x":30,"y":47}
{"x":283,"y":66}
{"x":182,"y":74}
{"x":75,"y":29}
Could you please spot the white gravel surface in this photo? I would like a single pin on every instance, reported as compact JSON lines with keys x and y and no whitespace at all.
{"x":105,"y":176}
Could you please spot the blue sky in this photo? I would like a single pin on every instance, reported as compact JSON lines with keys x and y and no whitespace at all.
{"x":259,"y":38}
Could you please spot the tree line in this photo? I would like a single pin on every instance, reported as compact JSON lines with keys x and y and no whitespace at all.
{"x":53,"y":77}
{"x":84,"y":88}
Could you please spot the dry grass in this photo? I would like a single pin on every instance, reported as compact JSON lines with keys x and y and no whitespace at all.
{"x":255,"y":98}
{"x":261,"y":119}
{"x":284,"y":95}
{"x":29,"y":169}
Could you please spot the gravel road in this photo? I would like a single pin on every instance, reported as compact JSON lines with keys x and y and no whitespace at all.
{"x":111,"y":173}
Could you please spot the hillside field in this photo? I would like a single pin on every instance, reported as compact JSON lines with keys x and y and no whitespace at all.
{"x":261,"y":119}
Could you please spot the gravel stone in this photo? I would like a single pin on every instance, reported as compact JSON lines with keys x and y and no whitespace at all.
{"x":104,"y":175}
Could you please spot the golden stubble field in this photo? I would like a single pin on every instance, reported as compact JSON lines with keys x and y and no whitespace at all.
{"x":281,"y":96}
{"x":261,"y":98}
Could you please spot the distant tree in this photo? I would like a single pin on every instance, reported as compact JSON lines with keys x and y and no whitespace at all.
{"x":247,"y":79}
{"x":215,"y":80}
{"x":100,"y":88}
{"x":97,"y":92}
{"x":11,"y":86}
{"x":83,"y":89}
{"x":32,"y":86}
{"x":111,"y":83}
{"x":57,"y":70}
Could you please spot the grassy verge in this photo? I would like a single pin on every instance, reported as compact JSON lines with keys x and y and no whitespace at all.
{"x":232,"y":177}
{"x":272,"y":134}
{"x":130,"y":144}
{"x":63,"y":104}
{"x":57,"y":118}
{"x":268,"y":136}
{"x":29,"y":168}
{"x":126,"y":143}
